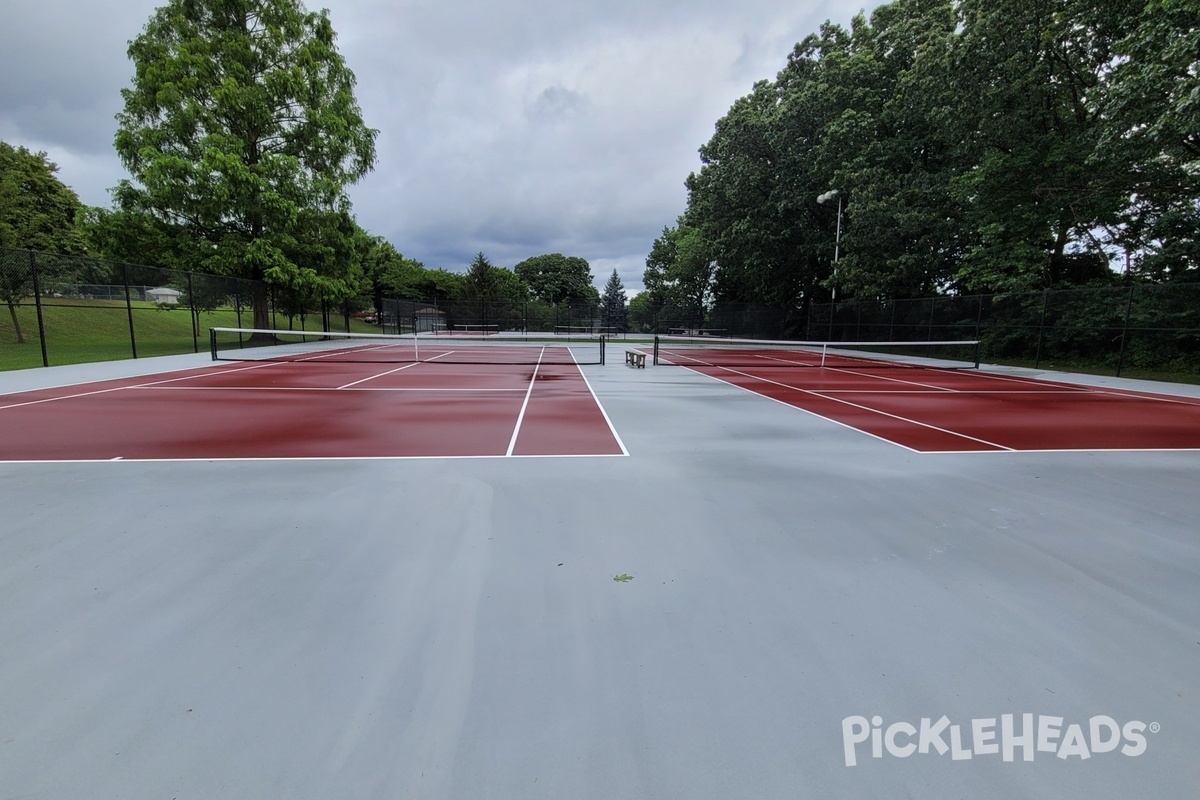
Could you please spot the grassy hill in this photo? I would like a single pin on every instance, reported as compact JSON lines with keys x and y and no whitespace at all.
{"x":79,"y":331}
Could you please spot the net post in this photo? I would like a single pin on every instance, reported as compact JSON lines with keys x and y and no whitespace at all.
{"x":212,"y":342}
{"x":602,"y":346}
{"x":977,"y":343}
{"x":656,"y":349}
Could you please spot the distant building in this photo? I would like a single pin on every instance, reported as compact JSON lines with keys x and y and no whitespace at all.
{"x":429,"y":320}
{"x":168,"y":297}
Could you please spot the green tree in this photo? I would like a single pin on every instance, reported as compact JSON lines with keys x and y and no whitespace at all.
{"x":680,"y":269}
{"x":242,"y":127}
{"x":554,"y":278}
{"x":136,"y":237}
{"x":643,"y":312}
{"x":37,"y":212}
{"x":387,"y":272}
{"x":436,"y":285}
{"x":902,"y":232}
{"x":612,"y":304}
{"x":1027,"y":78}
{"x":481,"y":282}
{"x":1153,"y":124}
{"x":491,"y":295}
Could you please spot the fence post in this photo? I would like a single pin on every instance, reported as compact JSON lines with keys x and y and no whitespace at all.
{"x":129,"y":308}
{"x":1125,"y":330}
{"x":195,"y":314}
{"x":37,"y":304}
{"x":1037,"y":359}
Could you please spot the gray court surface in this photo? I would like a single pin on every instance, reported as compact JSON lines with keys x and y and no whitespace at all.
{"x":809,"y":612}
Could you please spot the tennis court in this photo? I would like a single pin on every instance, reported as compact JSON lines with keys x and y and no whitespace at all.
{"x":758,"y":601}
{"x":326,"y":397}
{"x":905,"y":396}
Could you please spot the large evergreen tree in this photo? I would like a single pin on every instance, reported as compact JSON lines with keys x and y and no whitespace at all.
{"x":242,"y":126}
{"x":612,"y":304}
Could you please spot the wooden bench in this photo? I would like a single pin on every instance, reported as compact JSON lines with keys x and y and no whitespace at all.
{"x":635,"y":359}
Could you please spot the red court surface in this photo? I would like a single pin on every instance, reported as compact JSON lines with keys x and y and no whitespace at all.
{"x":313,"y":410}
{"x":935,"y":410}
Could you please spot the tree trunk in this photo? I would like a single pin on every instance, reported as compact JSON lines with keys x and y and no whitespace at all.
{"x":261,"y":305}
{"x":12,"y":310}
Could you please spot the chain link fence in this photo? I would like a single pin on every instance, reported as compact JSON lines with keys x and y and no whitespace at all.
{"x":68,"y":309}
{"x":721,"y":319}
{"x":1142,"y":330}
{"x":497,"y":316}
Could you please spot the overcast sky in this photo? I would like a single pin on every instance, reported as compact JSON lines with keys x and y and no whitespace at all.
{"x":514,"y":129}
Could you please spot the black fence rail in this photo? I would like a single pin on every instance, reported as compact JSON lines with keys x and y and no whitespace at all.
{"x":67,"y":309}
{"x":1142,"y":329}
{"x":492,"y":316}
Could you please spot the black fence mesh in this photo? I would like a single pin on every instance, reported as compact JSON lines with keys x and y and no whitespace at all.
{"x":65,"y":309}
{"x":483,"y":316}
{"x":68,"y":310}
{"x":1142,"y":329}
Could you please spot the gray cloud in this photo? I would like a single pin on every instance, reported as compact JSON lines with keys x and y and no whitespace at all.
{"x":545,"y":126}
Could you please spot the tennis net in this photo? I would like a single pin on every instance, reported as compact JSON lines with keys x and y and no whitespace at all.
{"x":707,"y":351}
{"x":251,"y":344}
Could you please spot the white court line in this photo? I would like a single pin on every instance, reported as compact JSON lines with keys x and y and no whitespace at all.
{"x":379,"y":375}
{"x":888,"y":378}
{"x":1007,"y":392}
{"x":118,"y":388}
{"x":1082,"y":388}
{"x":394,"y":371}
{"x":1068,"y":450}
{"x":521,"y":417}
{"x":255,"y":459}
{"x":596,"y":400}
{"x":315,"y":389}
{"x":852,"y":405}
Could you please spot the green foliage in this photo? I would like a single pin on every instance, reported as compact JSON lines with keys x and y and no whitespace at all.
{"x":680,"y":268}
{"x":241,"y":128}
{"x":612,"y":305}
{"x":978,"y":145}
{"x":554,"y":278}
{"x":1154,"y":113}
{"x":37,"y":211}
{"x":642,"y":309}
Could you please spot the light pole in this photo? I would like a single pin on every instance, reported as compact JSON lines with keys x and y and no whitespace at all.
{"x":837,"y":247}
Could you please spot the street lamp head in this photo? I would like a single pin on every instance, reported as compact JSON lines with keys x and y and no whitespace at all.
{"x":827,"y":196}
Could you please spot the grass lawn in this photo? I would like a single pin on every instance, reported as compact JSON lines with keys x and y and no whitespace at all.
{"x":79,"y":331}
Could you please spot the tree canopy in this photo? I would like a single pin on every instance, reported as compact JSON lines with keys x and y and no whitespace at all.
{"x":978,"y":147}
{"x":242,"y":128}
{"x":37,"y":211}
{"x":554,"y":278}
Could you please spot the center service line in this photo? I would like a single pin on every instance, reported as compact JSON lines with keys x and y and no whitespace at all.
{"x":512,"y":443}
